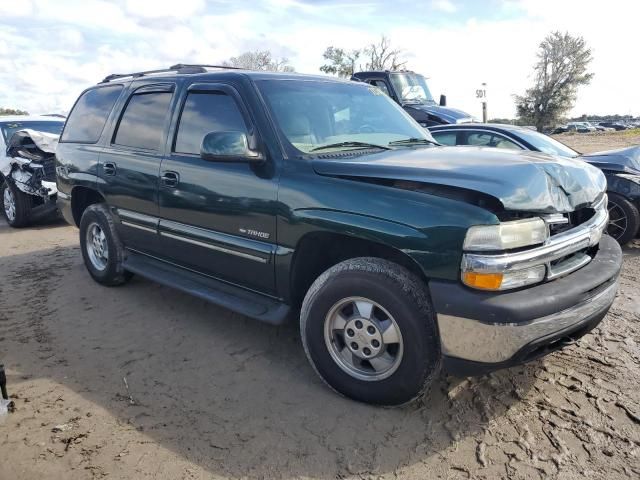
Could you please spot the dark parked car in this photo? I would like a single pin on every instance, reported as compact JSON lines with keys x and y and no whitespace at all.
{"x":410,"y":90}
{"x":615,"y":125}
{"x":273,"y":194}
{"x":621,"y":167}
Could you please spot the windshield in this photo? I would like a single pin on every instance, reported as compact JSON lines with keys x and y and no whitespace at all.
{"x":9,"y":128}
{"x":546,"y":144}
{"x":335,"y":116}
{"x":411,"y":88}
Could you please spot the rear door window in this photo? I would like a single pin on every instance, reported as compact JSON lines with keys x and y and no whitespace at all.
{"x":445,"y":138}
{"x":487,"y":139}
{"x":206,"y":112}
{"x":89,"y":115}
{"x":142,"y":123}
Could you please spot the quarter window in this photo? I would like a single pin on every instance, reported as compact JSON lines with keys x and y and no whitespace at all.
{"x":89,"y":115}
{"x":382,"y":85}
{"x":142,"y":123}
{"x":204,"y":113}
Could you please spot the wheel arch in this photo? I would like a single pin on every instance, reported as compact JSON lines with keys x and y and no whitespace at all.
{"x":81,"y":198}
{"x":333,"y":242}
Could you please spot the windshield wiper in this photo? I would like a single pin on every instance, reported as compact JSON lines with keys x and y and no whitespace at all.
{"x":350,"y":144}
{"x":414,"y":141}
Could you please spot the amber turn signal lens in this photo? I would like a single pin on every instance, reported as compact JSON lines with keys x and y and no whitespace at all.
{"x":484,"y":281}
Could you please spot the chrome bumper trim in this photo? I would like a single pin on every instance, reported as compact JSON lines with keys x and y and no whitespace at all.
{"x":473,"y":340}
{"x":558,"y":246}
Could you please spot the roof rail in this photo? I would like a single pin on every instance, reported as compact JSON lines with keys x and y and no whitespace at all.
{"x":182,"y":68}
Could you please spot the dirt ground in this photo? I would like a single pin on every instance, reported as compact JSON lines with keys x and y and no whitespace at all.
{"x":144,"y":382}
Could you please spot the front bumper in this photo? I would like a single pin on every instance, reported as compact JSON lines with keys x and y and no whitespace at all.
{"x":483,"y":331}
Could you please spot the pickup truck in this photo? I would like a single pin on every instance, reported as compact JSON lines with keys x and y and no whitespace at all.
{"x":410,"y":90}
{"x":283,"y":195}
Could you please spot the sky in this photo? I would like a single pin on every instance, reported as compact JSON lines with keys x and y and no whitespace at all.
{"x":51,"y":50}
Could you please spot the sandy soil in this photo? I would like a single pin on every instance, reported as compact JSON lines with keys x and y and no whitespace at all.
{"x":600,"y":141}
{"x":145,"y":382}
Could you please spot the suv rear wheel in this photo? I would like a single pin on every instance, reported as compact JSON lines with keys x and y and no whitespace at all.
{"x":101,"y":247}
{"x":368,"y":330}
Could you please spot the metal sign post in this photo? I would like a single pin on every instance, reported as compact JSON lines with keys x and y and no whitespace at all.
{"x":481,"y":94}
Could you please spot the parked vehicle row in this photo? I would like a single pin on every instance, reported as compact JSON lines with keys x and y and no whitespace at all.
{"x":279,"y":195}
{"x":589,"y":127}
{"x":621,"y":167}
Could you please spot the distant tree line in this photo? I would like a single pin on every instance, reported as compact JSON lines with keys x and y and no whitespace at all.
{"x":12,"y":111}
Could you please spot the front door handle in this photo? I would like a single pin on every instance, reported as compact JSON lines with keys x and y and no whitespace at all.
{"x":170,"y":179}
{"x":109,"y":169}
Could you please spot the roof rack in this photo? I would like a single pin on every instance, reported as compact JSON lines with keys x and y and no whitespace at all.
{"x":182,"y":68}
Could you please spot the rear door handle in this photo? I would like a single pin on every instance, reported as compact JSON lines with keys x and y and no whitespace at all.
{"x":109,"y":169}
{"x":170,"y":179}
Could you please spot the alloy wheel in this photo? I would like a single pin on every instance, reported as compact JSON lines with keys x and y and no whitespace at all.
{"x":618,"y":222}
{"x":363,"y":339}
{"x":9,"y":204}
{"x":97,"y":247}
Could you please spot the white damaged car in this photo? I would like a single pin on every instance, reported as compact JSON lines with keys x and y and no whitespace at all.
{"x":27,"y":167}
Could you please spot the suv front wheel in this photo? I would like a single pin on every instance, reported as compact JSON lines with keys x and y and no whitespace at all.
{"x":101,"y":247}
{"x":369,"y":331}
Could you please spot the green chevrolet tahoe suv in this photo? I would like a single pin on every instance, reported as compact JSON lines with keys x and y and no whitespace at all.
{"x":277,"y":195}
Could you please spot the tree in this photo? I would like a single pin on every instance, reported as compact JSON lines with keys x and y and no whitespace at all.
{"x":379,"y":56}
{"x":561,"y":68}
{"x":383,"y":57}
{"x":341,"y":62}
{"x":259,"y":60}
{"x":12,"y":111}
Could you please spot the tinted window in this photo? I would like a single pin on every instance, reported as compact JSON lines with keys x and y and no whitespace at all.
{"x":142,"y":122}
{"x":204,"y":113}
{"x":445,"y":138}
{"x":87,"y":119}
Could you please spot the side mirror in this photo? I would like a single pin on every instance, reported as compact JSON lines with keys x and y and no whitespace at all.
{"x":443,"y":100}
{"x":228,"y":147}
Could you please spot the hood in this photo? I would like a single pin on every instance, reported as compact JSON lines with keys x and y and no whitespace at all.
{"x":521,"y":181}
{"x":621,"y":160}
{"x":446,"y":114}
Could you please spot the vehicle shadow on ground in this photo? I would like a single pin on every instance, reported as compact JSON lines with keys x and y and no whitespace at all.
{"x":38,"y":225}
{"x":230,"y":394}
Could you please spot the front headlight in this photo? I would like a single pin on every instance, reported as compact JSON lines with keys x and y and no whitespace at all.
{"x":629,"y":176}
{"x":506,"y":235}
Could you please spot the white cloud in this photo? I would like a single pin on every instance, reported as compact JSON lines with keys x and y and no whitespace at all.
{"x":164,"y":8}
{"x":446,"y":6}
{"x":16,"y":9}
{"x":77,"y":42}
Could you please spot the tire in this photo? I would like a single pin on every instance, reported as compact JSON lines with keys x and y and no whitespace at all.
{"x":102,"y":250}
{"x":400,"y":300}
{"x":18,"y":212}
{"x":624,"y":219}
